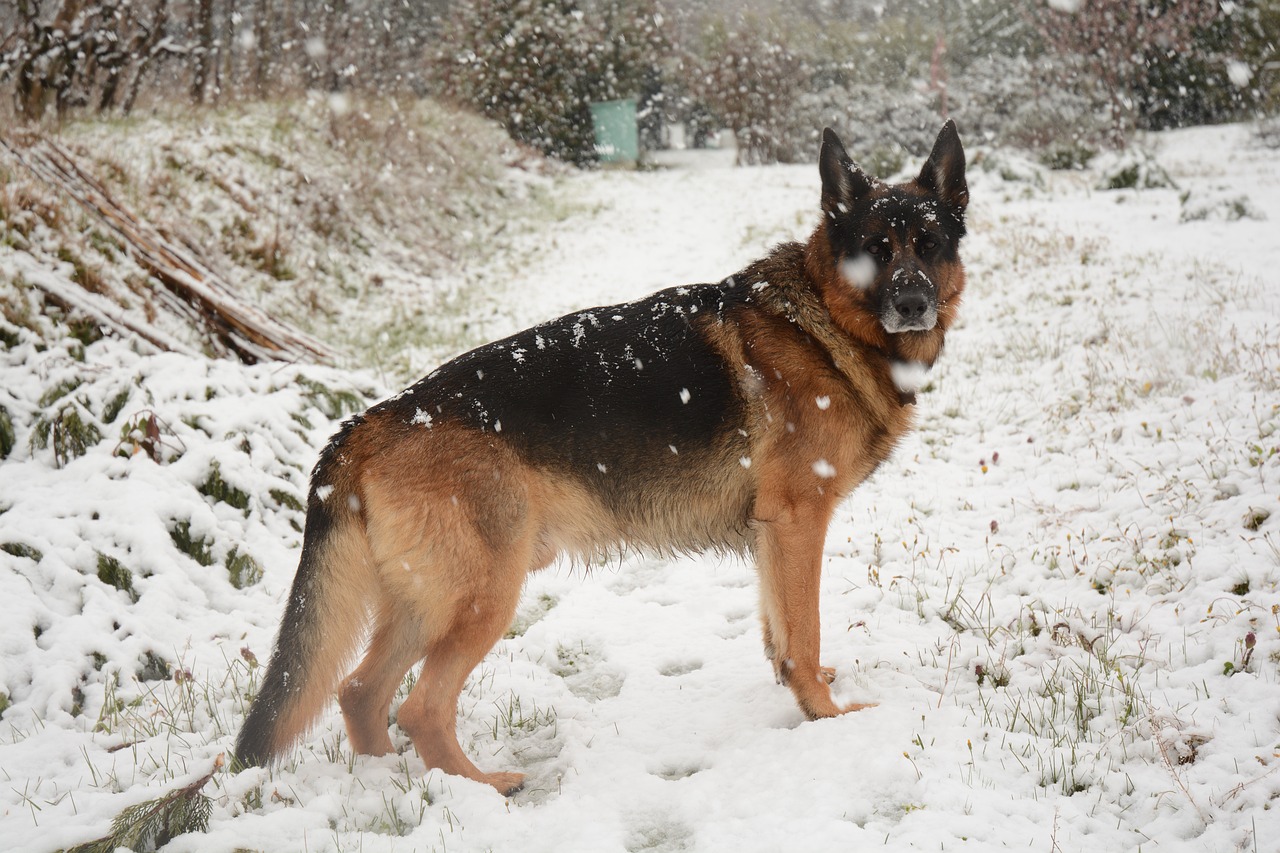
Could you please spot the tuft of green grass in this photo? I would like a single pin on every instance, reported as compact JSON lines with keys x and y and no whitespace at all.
{"x":1067,"y":156}
{"x":219,"y":490}
{"x":199,"y":550}
{"x":571,"y":661}
{"x":530,"y":614}
{"x":512,"y":718}
{"x":57,"y":392}
{"x":115,"y":406}
{"x":67,"y":431}
{"x":7,"y":438}
{"x":286,"y":500}
{"x":81,"y":273}
{"x":243,"y":569}
{"x":18,"y":549}
{"x":415,"y":791}
{"x":113,"y":573}
{"x":335,"y":403}
{"x":85,"y":330}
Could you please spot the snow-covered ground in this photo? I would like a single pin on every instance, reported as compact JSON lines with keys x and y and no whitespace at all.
{"x":1062,"y":590}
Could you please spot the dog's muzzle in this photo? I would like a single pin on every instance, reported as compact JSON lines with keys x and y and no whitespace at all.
{"x":911,"y":307}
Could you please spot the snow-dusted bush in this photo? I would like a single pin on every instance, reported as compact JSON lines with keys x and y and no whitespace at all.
{"x":517,"y":61}
{"x":1268,"y":132}
{"x":882,"y":128}
{"x":536,"y":65}
{"x":886,"y":85}
{"x":1032,"y":104}
{"x":180,"y":503}
{"x":1132,"y":169}
{"x":750,"y":78}
{"x":1221,"y":76}
{"x":1137,"y":56}
{"x":1219,"y":205}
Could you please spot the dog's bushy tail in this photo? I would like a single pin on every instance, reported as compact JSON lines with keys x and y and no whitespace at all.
{"x":322,"y":625}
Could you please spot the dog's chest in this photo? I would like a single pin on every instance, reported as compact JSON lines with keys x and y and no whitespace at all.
{"x":834,"y":430}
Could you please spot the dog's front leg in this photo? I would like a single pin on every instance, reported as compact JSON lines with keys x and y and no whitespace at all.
{"x":828,"y":673}
{"x":789,"y":546}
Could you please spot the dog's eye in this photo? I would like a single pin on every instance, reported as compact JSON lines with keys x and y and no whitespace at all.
{"x":878,"y":249}
{"x":927,"y":243}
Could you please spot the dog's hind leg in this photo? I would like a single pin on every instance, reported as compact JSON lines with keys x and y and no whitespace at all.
{"x":480,"y":615}
{"x":365,"y":697}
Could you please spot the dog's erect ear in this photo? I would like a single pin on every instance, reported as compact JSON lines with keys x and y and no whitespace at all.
{"x":943,"y":172}
{"x":842,"y":181}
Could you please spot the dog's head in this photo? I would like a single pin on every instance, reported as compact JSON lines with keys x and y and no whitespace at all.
{"x":895,"y":247}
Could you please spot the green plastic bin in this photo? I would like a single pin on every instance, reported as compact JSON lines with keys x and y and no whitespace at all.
{"x":617,"y":139}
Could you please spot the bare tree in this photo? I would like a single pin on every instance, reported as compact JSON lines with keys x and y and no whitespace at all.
{"x":147,"y":43}
{"x":41,"y":57}
{"x":83,"y":54}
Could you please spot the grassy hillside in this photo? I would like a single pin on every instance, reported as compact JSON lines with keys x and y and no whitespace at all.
{"x":314,"y":211}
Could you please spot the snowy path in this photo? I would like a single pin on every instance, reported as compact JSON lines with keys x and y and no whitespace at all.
{"x":627,"y":234}
{"x":1042,"y":590}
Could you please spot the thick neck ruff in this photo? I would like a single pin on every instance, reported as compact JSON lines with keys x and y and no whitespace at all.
{"x":802,"y":306}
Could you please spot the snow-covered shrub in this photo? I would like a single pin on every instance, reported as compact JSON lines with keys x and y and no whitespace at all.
{"x":881,"y":128}
{"x":69,"y":431}
{"x":1133,"y":169}
{"x":6,"y":432}
{"x":1031,"y":104}
{"x":536,"y":65}
{"x":1219,"y":76}
{"x":1268,"y":132}
{"x":1112,"y":46}
{"x":517,"y":62}
{"x":1009,"y":165}
{"x":1220,"y":206}
{"x":751,"y":80}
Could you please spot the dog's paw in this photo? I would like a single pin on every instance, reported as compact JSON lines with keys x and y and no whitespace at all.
{"x":827,"y":673}
{"x":818,"y":703}
{"x":508,"y":784}
{"x":849,"y":709}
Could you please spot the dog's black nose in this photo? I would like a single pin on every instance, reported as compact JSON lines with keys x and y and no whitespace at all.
{"x":911,"y":305}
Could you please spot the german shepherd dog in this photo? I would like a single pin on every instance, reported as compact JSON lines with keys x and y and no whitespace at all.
{"x":731,"y":416}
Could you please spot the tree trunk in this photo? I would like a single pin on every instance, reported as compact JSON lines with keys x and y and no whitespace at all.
{"x":261,"y":46}
{"x":144,"y":47}
{"x":204,"y":50}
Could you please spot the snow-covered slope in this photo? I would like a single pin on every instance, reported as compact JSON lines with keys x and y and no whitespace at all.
{"x":1062,"y":590}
